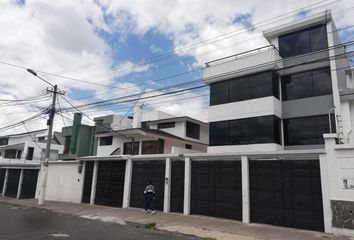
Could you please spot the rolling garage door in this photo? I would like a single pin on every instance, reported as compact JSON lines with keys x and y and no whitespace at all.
{"x":2,"y":178}
{"x":144,"y":171}
{"x":29,"y":184}
{"x":287,"y":193}
{"x":110,"y":183}
{"x":177,"y":186}
{"x":86,"y":193}
{"x":217,"y":189}
{"x":12,"y":182}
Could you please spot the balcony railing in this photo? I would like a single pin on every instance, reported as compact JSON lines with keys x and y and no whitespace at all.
{"x":237,"y":56}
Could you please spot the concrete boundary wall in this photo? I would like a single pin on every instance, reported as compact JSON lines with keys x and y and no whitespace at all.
{"x":65,"y":181}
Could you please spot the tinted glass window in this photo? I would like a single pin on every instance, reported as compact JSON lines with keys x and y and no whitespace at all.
{"x":307,"y":130}
{"x":4,"y":141}
{"x":306,"y":84}
{"x":297,"y":86}
{"x":127,"y":148}
{"x":304,"y":41}
{"x":322,"y":82}
{"x":240,"y":89}
{"x":244,"y":88}
{"x":152,"y":147}
{"x":261,"y":85}
{"x":193,"y":130}
{"x":245,"y":131}
{"x":219,"y":133}
{"x":104,"y":141}
{"x":166,"y":125}
{"x":219,"y":93}
{"x":318,"y":38}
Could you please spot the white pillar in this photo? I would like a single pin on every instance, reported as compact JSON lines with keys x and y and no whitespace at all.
{"x":94,"y":183}
{"x":127,"y":182}
{"x":187,"y":185}
{"x":333,"y":64}
{"x":245,"y":189}
{"x":5,"y":182}
{"x":326,"y":202}
{"x":167,"y":193}
{"x":19,"y":188}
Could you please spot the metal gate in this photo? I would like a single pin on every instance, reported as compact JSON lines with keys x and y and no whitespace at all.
{"x":86,"y":192}
{"x":217,"y":189}
{"x":177,"y":186}
{"x":29,"y":184}
{"x":2,"y":178}
{"x":110,"y":183}
{"x":12,"y":182}
{"x":144,"y":171}
{"x":287,"y":193}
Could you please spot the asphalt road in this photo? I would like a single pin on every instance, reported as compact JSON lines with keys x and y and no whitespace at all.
{"x":23,"y":223}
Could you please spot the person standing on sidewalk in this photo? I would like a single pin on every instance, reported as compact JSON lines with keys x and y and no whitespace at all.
{"x":149,"y":194}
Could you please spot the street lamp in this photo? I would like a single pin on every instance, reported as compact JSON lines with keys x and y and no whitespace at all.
{"x":44,"y":164}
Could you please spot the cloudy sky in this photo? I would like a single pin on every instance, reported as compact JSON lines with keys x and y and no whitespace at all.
{"x":97,"y":50}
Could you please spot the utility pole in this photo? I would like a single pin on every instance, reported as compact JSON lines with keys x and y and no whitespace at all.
{"x":44,"y":164}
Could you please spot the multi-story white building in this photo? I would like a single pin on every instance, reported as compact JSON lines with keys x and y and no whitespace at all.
{"x":20,"y":156}
{"x":29,"y":146}
{"x":282,"y":96}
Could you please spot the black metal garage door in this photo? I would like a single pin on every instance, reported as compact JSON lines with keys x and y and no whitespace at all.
{"x":29,"y":183}
{"x":144,"y":171}
{"x":2,"y":178}
{"x":217,"y":189}
{"x":12,"y":182}
{"x":86,"y":193}
{"x":110,"y":183}
{"x":287,"y":193}
{"x":177,"y":186}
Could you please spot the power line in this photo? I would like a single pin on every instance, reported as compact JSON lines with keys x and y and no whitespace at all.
{"x":122,"y":88}
{"x":195,"y":69}
{"x":102,"y":125}
{"x":224,"y":74}
{"x":36,"y":116}
{"x":222,"y":36}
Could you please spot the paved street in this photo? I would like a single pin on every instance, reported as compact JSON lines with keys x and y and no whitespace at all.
{"x":27,"y":223}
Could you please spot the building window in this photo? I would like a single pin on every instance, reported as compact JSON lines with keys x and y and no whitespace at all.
{"x":19,"y":153}
{"x":145,"y":125}
{"x":10,"y":153}
{"x":4,"y":141}
{"x":41,"y":139}
{"x":67,"y":144}
{"x":307,"y":130}
{"x":303,"y":41}
{"x":30,"y":151}
{"x":127,"y":148}
{"x":166,"y":125}
{"x":188,"y":146}
{"x":193,"y":130}
{"x":152,"y":147}
{"x":307,"y":84}
{"x":105,"y":141}
{"x":246,"y":131}
{"x":244,"y":88}
{"x":219,"y":93}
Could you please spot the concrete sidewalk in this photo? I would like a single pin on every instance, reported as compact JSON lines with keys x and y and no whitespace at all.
{"x":204,"y":227}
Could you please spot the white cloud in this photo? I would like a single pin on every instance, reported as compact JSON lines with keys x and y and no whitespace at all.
{"x":63,"y":37}
{"x":191,"y":22}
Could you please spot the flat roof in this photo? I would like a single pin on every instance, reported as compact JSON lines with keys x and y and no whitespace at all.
{"x":147,"y":130}
{"x":24,"y":133}
{"x":182,"y":118}
{"x":297,"y":25}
